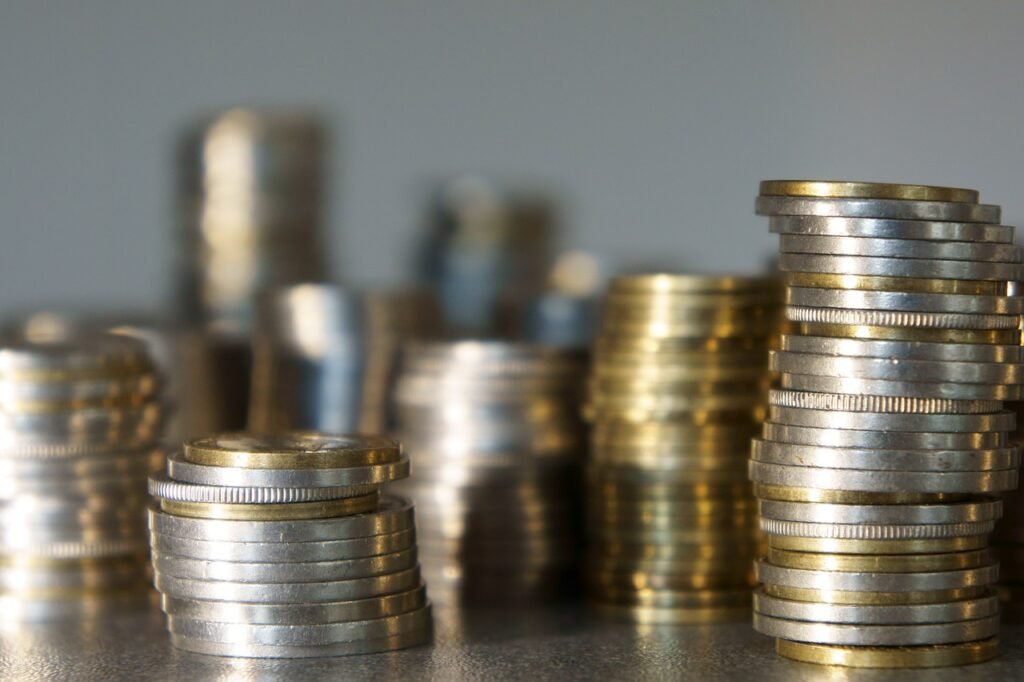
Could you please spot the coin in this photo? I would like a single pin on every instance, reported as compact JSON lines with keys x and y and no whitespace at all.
{"x":295,"y":450}
{"x":273,"y":512}
{"x":891,"y":228}
{"x":866,"y":190}
{"x":892,"y":209}
{"x":933,"y":656}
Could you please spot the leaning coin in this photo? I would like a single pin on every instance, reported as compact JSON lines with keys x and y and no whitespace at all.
{"x":865,"y":190}
{"x":287,"y":593}
{"x":916,"y":634}
{"x":900,"y":267}
{"x":900,"y":248}
{"x":891,"y":229}
{"x":875,"y":582}
{"x":893,"y":209}
{"x":904,"y":614}
{"x":979,"y":460}
{"x":887,"y":514}
{"x":902,"y":301}
{"x":296,"y":614}
{"x":902,"y":350}
{"x":323,"y":550}
{"x":295,"y":450}
{"x":935,"y":656}
{"x":304,"y":572}
{"x":884,"y":481}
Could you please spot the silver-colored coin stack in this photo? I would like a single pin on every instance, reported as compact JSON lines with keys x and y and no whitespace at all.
{"x":79,"y":432}
{"x":497,"y":445}
{"x":888,"y":439}
{"x":283,"y":547}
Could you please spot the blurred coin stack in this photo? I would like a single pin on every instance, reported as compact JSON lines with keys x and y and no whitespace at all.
{"x":496,"y":442}
{"x":678,"y":387}
{"x":878,"y":465}
{"x":283,"y":547}
{"x":80,"y":427}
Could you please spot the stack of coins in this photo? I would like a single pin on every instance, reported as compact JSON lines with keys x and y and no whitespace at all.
{"x":494,"y":434}
{"x":251,"y":211}
{"x":876,"y":469}
{"x":79,"y":431}
{"x":282,"y":547}
{"x":678,"y":387}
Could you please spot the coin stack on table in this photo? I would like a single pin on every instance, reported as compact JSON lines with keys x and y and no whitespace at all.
{"x":677,"y":390}
{"x":887,"y":442}
{"x":80,"y":427}
{"x":496,"y":442}
{"x":1008,"y":539}
{"x":283,"y":547}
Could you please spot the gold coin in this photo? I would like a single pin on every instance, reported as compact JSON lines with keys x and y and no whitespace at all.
{"x":997,"y":337}
{"x":843,"y":546}
{"x":294,"y":450}
{"x":787,"y":494}
{"x":879,"y":563}
{"x":671,"y":283}
{"x":841,"y":189}
{"x":876,"y":598}
{"x":907,"y":284}
{"x":935,"y":656}
{"x":273,"y":512}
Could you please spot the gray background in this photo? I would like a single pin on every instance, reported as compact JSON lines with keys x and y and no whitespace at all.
{"x":654,"y":119}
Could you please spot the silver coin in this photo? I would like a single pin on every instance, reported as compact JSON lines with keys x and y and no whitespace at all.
{"x":863,"y":531}
{"x":162,"y":487}
{"x":908,"y":614}
{"x":286,"y":593}
{"x":926,"y":371}
{"x":894,"y":515}
{"x":892,"y":318}
{"x":899,"y":248}
{"x":863,"y":581}
{"x":883,"y":481}
{"x":324,"y":550}
{"x":882,"y":228}
{"x":944,"y":390}
{"x":854,"y":299}
{"x":771,"y":452}
{"x":892,"y":209}
{"x":881,"y":440}
{"x":291,"y":572}
{"x":902,"y":350}
{"x":242,"y":650}
{"x":297,"y":614}
{"x":901,"y":267}
{"x":358,"y":478}
{"x":918,"y":634}
{"x":877,"y":403}
{"x":883,"y":421}
{"x":393,"y":514}
{"x":302,"y":635}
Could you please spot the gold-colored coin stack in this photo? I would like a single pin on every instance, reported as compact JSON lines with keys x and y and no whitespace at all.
{"x":79,"y":432}
{"x":887,"y":442}
{"x":494,"y":433}
{"x":678,"y":388}
{"x":283,"y":547}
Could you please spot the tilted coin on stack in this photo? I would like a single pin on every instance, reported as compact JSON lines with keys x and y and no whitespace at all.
{"x":80,"y":426}
{"x":678,"y":387}
{"x":496,"y":441}
{"x":283,"y":547}
{"x":879,"y":466}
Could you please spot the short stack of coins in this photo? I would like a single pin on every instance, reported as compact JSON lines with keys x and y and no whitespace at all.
{"x":79,"y":434}
{"x":884,"y":449}
{"x":679,"y":383}
{"x":496,"y":441}
{"x":283,"y":547}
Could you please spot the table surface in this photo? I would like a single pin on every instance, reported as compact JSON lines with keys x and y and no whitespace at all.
{"x":548,"y":644}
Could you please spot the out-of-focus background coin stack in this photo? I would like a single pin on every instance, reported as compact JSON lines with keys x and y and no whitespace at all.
{"x":284,"y":547}
{"x":251,"y":217}
{"x":81,"y":420}
{"x":497,"y":445}
{"x":678,"y":387}
{"x":888,"y":440}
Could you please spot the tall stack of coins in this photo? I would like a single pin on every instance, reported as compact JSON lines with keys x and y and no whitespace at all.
{"x":283,"y":547}
{"x":494,"y":434}
{"x":678,"y":387}
{"x":79,"y":431}
{"x":877,"y":466}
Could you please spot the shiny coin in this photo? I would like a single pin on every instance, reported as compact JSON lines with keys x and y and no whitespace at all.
{"x":892,"y":209}
{"x":881,"y":421}
{"x":963,"y":287}
{"x":841,"y":531}
{"x":902,"y":350}
{"x":884,"y":460}
{"x":842,"y":546}
{"x":891,"y":229}
{"x":883,"y":481}
{"x":903,"y":614}
{"x":935,"y":656}
{"x":243,"y":650}
{"x":862,"y":598}
{"x":900,"y":301}
{"x":163,"y":487}
{"x":876,"y":582}
{"x":304,"y":572}
{"x":897,"y":370}
{"x":324,"y":550}
{"x":944,"y":389}
{"x":886,"y":514}
{"x":357,"y":478}
{"x":901,"y":267}
{"x":880,"y":440}
{"x":893,"y":318}
{"x":296,"y":450}
{"x":899,"y":248}
{"x":879,"y":563}
{"x":865,"y":190}
{"x":273,"y":512}
{"x":877,"y":635}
